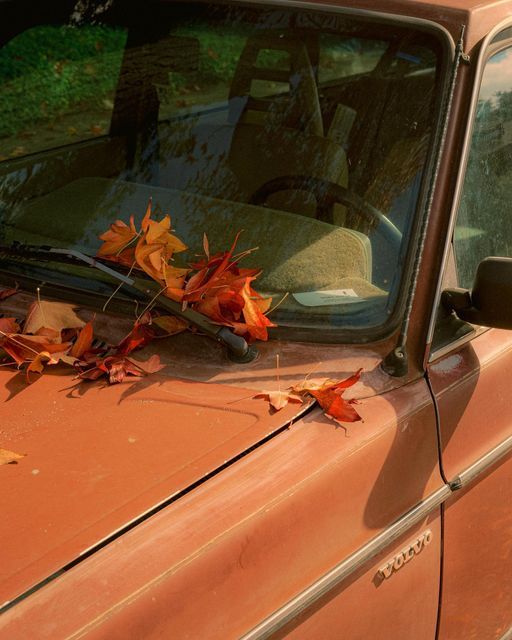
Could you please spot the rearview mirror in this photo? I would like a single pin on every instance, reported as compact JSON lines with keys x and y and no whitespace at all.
{"x":489,"y":303}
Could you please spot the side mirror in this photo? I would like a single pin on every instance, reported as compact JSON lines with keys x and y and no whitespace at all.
{"x":490,"y":302}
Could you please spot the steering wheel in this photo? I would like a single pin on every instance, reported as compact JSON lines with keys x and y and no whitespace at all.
{"x":327,"y":194}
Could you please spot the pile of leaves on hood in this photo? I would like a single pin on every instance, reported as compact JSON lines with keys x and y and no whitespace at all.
{"x":52,"y":333}
{"x":328,"y":393}
{"x":214,"y":285}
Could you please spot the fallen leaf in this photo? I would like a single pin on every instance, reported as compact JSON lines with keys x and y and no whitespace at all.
{"x":8,"y":326}
{"x":328,"y":395}
{"x":51,"y":315}
{"x":139,"y":337}
{"x":334,"y":406}
{"x":38,"y":363}
{"x":218,"y":289}
{"x":117,"y":238}
{"x":9,"y":457}
{"x":171,"y":324}
{"x":116,"y":368}
{"x":83,"y":342}
{"x":279,"y":399}
{"x":7,"y":293}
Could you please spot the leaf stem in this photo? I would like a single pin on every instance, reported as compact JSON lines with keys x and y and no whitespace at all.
{"x":278,"y":303}
{"x":20,"y":344}
{"x":104,"y":308}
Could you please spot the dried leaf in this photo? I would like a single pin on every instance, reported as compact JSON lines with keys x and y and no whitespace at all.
{"x":9,"y":457}
{"x":334,"y":406}
{"x":7,"y":326}
{"x":51,"y":315}
{"x":218,"y":289}
{"x":7,"y":293}
{"x":24,"y":348}
{"x":83,"y":342}
{"x":328,"y":395}
{"x":139,"y":336}
{"x":117,"y":238}
{"x":171,"y":324}
{"x":256,"y":322}
{"x":116,"y":368}
{"x":279,"y":399}
{"x":38,"y":363}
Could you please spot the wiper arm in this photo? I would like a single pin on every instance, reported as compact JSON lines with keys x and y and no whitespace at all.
{"x":237,"y":347}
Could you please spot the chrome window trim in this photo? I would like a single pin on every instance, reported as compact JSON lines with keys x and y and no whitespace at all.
{"x":394,"y":18}
{"x":456,"y":344}
{"x":482,"y":59}
{"x":348,"y":566}
{"x":507,"y":635}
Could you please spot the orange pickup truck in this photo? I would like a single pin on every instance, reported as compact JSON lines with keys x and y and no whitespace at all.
{"x":255,"y":313}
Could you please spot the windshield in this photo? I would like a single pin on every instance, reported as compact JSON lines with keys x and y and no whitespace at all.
{"x":306,"y":131}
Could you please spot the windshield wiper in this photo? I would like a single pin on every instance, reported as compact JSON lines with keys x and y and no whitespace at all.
{"x":237,"y":347}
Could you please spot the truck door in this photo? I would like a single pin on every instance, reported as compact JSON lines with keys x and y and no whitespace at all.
{"x":471,"y":374}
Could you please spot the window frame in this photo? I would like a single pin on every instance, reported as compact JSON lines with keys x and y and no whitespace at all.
{"x":490,"y":46}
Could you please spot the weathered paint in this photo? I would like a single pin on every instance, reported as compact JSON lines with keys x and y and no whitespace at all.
{"x":224,"y":556}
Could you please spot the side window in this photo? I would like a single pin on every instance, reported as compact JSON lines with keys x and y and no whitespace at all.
{"x":57,"y":84}
{"x":483,"y":224}
{"x":482,"y":227}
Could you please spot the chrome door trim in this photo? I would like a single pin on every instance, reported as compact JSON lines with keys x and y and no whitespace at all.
{"x":482,"y":464}
{"x":342,"y":570}
{"x":377,"y":544}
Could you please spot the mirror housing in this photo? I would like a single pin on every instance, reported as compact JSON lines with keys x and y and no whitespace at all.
{"x":489,"y":304}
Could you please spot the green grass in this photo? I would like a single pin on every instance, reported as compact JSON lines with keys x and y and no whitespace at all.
{"x":49,"y":70}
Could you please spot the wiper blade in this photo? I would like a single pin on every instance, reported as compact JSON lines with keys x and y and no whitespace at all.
{"x":237,"y":347}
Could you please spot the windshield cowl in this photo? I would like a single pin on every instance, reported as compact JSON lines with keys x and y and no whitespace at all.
{"x":191,"y":356}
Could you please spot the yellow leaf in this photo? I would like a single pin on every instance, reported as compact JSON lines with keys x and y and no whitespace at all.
{"x":7,"y":457}
{"x":171,"y":324}
{"x":37,"y":364}
{"x":51,"y":315}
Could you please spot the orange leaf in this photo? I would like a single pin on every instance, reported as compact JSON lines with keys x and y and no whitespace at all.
{"x":7,"y":326}
{"x":334,"y":406}
{"x":171,"y":324}
{"x":138,"y":337}
{"x":279,"y":399}
{"x":256,"y":322}
{"x":6,"y":293}
{"x":83,"y":342}
{"x":328,"y":395}
{"x":38,"y":363}
{"x":150,"y":258}
{"x":117,"y":238}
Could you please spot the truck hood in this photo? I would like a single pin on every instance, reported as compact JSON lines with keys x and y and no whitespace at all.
{"x":96,"y":461}
{"x":98,"y":458}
